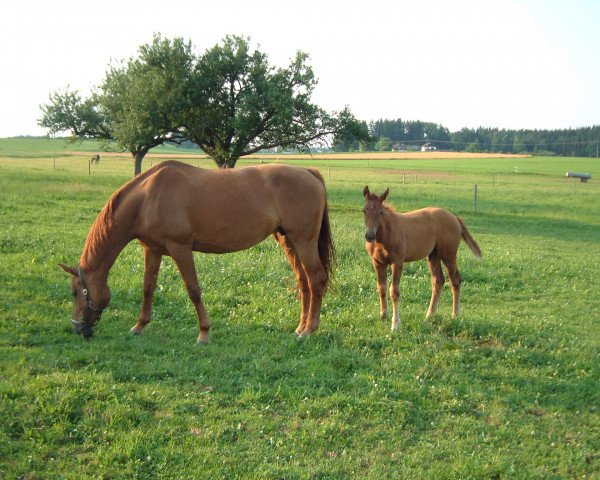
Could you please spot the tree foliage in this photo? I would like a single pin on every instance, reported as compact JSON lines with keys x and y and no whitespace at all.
{"x":229,"y":101}
{"x":577,"y":142}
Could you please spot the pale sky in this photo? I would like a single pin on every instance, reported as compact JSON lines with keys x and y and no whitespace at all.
{"x":461,"y":63}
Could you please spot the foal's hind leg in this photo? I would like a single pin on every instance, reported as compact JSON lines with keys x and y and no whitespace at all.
{"x":455,"y":281}
{"x":151,"y":266}
{"x":294,"y":260}
{"x":184,"y":258}
{"x":437,"y":283}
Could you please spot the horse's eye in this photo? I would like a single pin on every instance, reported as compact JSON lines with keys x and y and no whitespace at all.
{"x":74,"y":293}
{"x":381,"y":212}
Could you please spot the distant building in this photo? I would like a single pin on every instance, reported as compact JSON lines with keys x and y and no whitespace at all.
{"x":428,"y":147}
{"x":402,"y":147}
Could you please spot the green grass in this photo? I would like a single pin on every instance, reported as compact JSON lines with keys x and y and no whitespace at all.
{"x":27,"y":147}
{"x":511,"y":389}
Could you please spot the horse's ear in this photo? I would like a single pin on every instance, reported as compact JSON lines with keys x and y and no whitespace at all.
{"x":384,"y":195}
{"x":68,"y":269}
{"x":366,"y":192}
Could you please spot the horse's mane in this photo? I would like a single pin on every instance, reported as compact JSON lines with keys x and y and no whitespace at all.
{"x":389,"y":207}
{"x":104,"y":222}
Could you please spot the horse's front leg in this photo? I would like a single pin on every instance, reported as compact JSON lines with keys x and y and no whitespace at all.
{"x":184,"y":258}
{"x":395,"y":293}
{"x":151,"y":267}
{"x":382,"y":274}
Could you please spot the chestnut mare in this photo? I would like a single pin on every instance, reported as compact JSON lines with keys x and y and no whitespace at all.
{"x":394,"y":238}
{"x":175,"y":209}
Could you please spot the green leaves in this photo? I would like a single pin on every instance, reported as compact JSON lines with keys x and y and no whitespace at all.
{"x":229,"y":101}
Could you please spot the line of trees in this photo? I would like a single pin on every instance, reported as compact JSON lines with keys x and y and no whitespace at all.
{"x":389,"y":134}
{"x":572,"y":142}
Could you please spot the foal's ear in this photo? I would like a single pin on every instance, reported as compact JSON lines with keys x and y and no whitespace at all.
{"x":384,"y":195}
{"x":366,"y":192}
{"x":68,"y":269}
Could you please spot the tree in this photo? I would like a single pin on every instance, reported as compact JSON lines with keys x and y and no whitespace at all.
{"x":229,"y":101}
{"x":384,"y":144}
{"x":247,"y":105}
{"x":67,"y":111}
{"x":138,"y":105}
{"x":147,"y":97}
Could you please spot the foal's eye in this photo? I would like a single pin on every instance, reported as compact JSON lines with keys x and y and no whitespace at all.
{"x":74,"y":293}
{"x":381,"y":212}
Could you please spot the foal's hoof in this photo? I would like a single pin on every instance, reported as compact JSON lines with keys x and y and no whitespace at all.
{"x":133,"y":331}
{"x":302,"y":335}
{"x":202,"y":342}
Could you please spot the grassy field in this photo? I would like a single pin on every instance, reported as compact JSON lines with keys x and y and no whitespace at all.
{"x":511,"y":389}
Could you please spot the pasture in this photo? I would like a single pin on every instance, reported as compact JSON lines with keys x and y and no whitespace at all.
{"x":510,"y":389}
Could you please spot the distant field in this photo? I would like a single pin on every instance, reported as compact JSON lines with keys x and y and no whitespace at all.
{"x":30,"y":147}
{"x":510,"y":389}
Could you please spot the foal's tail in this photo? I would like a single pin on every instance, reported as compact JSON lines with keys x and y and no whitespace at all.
{"x":325,"y":242}
{"x":469,"y":240}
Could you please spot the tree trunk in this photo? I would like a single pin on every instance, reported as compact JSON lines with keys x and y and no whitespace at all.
{"x":137,"y":158}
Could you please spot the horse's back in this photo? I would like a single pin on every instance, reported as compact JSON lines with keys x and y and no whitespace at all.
{"x":427,"y":229}
{"x":228,"y":210}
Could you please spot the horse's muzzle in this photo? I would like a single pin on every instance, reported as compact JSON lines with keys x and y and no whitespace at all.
{"x":80,"y":328}
{"x":370,"y":235}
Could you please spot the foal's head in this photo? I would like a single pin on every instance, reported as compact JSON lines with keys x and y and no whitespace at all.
{"x":88,"y":302}
{"x":373,"y":212}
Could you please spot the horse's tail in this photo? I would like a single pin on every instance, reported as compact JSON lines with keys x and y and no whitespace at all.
{"x":325,"y":242}
{"x":469,"y":240}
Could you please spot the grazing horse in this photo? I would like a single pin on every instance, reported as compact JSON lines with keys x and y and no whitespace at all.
{"x":175,"y":209}
{"x":394,"y":238}
{"x":95,"y":159}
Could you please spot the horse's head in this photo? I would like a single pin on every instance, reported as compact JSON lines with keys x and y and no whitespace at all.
{"x":373,"y":212}
{"x":89,"y":300}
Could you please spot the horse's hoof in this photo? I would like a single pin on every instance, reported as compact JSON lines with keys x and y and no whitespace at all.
{"x":133,"y":331}
{"x":202,"y":341}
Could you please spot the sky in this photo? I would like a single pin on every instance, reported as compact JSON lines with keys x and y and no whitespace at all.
{"x":531,"y":64}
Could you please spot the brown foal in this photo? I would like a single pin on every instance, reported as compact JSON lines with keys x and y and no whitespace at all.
{"x":395,"y":238}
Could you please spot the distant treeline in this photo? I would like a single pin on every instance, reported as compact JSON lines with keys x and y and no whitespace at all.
{"x":411,"y":135}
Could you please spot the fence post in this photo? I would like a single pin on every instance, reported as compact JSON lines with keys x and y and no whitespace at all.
{"x":475,"y":200}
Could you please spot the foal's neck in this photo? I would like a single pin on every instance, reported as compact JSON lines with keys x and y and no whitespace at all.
{"x":384,"y":227}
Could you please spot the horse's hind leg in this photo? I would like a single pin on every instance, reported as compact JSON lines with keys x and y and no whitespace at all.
{"x":151,"y":266}
{"x":294,"y":260}
{"x":184,"y":258}
{"x":317,"y":279}
{"x":437,"y":283}
{"x":455,"y":282}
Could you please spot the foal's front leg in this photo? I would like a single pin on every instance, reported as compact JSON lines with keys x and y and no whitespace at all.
{"x":395,"y":293}
{"x":151,"y":266}
{"x":382,"y":273}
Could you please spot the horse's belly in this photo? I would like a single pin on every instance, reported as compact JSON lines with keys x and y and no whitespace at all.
{"x":216,"y":246}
